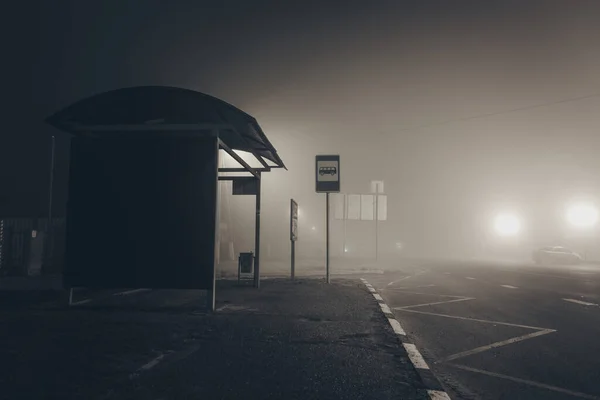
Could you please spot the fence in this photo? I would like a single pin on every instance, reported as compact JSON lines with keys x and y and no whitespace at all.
{"x":29,"y":243}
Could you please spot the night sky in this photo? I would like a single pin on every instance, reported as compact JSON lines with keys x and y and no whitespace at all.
{"x":426,"y":93}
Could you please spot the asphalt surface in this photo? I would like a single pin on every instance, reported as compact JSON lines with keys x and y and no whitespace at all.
{"x":501,"y":330}
{"x":296,"y":340}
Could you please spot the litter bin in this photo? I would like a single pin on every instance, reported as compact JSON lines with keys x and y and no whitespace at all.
{"x":245,"y":264}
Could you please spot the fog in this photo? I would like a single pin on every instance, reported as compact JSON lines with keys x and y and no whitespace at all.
{"x":464,"y":110}
{"x":473,"y":115}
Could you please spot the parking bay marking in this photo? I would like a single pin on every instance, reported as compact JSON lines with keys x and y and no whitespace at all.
{"x":538,"y":332}
{"x":527,"y":382}
{"x":583,"y":303}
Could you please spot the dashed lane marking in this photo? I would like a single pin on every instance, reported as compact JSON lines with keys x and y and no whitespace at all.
{"x":385,"y":308}
{"x":396,"y":326}
{"x":415,"y":357}
{"x":509,"y":287}
{"x":437,"y":395}
{"x":583,"y":303}
{"x":527,"y":382}
{"x":429,"y":380}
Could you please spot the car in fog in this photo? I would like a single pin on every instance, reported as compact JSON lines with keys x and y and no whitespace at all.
{"x":556,"y":255}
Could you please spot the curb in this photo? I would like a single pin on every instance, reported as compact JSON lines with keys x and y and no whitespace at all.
{"x":432,"y":384}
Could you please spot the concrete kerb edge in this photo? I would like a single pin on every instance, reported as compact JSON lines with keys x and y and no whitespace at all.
{"x":432,"y":385}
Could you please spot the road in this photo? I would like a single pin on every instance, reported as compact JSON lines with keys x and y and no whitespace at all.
{"x":501,"y":331}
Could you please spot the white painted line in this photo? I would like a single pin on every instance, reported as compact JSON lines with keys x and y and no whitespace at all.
{"x":385,"y":308}
{"x":471,"y":278}
{"x":437,"y":395}
{"x":371,"y":290}
{"x":427,"y":294}
{"x":399,"y":280}
{"x":363,"y":279}
{"x":396,"y":327}
{"x":151,"y":364}
{"x":434,"y":303}
{"x":76,"y":303}
{"x":377,"y":297}
{"x":584,"y":303}
{"x":497,"y":344}
{"x":528,"y":382}
{"x":509,"y":287}
{"x":415,"y":357}
{"x":147,"y":366}
{"x":128,"y":292}
{"x":471,"y":319}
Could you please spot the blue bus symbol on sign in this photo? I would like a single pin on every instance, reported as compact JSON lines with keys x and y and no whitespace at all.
{"x":327,"y":171}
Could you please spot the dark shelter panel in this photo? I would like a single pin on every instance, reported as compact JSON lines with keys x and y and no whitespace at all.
{"x":142,"y":212}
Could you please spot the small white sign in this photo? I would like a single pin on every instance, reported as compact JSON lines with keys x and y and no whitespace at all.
{"x":328,"y":171}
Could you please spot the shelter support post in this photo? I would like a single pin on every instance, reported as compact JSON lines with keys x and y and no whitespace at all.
{"x":257,"y":234}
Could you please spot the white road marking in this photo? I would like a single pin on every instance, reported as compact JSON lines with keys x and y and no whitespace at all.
{"x":377,"y":297}
{"x":152,"y":363}
{"x":396,"y":327}
{"x":471,"y":319}
{"x":470,"y":277}
{"x":371,"y":289}
{"x":385,"y":308}
{"x":528,"y":382}
{"x":76,"y":303}
{"x":585,"y":303}
{"x":421,"y":272}
{"x":446,"y":273}
{"x":427,"y":294}
{"x":399,"y":280}
{"x":415,"y":357}
{"x":509,"y":287}
{"x":437,"y":395}
{"x":363,"y":279}
{"x":434,"y":303}
{"x":127,"y":292}
{"x":497,"y":344}
{"x":147,"y":366}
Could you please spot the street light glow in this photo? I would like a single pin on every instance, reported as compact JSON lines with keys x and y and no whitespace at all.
{"x":507,"y":225}
{"x":582,"y":215}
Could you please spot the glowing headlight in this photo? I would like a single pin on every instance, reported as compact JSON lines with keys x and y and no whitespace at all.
{"x":507,"y":225}
{"x":582,"y":214}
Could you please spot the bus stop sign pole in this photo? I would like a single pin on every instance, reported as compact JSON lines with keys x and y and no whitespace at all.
{"x":327,"y":174}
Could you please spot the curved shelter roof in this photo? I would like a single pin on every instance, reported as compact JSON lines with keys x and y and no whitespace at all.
{"x":148,"y":110}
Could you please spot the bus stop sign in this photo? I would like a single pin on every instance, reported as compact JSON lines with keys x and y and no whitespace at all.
{"x":327,"y":174}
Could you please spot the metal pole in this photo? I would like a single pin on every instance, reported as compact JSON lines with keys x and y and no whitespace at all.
{"x":293,"y":260}
{"x":257,"y":236}
{"x":376,"y":226}
{"x":49,"y":236}
{"x":327,"y":239}
{"x":345,"y":219}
